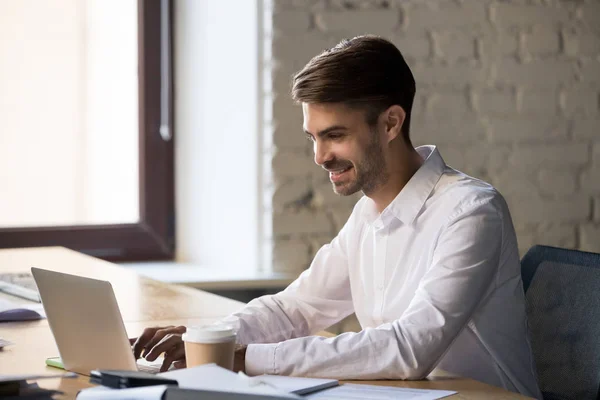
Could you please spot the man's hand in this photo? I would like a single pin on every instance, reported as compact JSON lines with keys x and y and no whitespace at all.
{"x":155,"y":341}
{"x":239,"y":358}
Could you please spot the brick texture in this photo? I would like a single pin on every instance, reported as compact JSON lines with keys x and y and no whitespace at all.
{"x":518,"y":15}
{"x":582,"y":100}
{"x":301,"y":222}
{"x":290,"y":255}
{"x":557,"y":235}
{"x":542,"y":41}
{"x":590,"y":72}
{"x":438,"y":15}
{"x":536,"y":72}
{"x":552,"y":182}
{"x":586,"y":128}
{"x":533,"y":209}
{"x":539,"y":102}
{"x":589,"y":237}
{"x":358,"y":22}
{"x":508,"y":89}
{"x":455,"y":45}
{"x":289,"y":23}
{"x":519,"y":129}
{"x":590,"y":182}
{"x":495,"y":102}
{"x":581,"y":44}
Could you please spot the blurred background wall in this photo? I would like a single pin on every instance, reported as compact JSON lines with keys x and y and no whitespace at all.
{"x":508,"y":90}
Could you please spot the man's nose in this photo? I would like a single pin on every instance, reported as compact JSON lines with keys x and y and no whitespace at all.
{"x":322,"y":153}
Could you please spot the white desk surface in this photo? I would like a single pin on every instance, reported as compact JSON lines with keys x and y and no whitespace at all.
{"x":209,"y":278}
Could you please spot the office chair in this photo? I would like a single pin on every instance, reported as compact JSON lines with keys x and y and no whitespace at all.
{"x":562,"y":290}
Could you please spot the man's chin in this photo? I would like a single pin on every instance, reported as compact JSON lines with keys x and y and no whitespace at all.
{"x":345,"y":189}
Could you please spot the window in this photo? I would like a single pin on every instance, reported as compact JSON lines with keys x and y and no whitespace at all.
{"x":86,"y":146}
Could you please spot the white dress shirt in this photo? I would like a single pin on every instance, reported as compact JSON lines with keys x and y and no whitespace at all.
{"x":434,"y":280}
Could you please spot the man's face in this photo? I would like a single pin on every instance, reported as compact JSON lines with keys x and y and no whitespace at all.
{"x":346,"y":146}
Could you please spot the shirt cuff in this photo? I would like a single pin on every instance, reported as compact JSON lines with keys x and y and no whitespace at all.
{"x":260,"y":359}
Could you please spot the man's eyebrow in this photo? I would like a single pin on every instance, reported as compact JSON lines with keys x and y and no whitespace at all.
{"x":327,"y":130}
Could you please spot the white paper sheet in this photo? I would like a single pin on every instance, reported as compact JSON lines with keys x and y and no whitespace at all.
{"x":208,"y":377}
{"x":213,"y":377}
{"x":141,"y":393}
{"x":297,"y":385}
{"x":349,"y":391}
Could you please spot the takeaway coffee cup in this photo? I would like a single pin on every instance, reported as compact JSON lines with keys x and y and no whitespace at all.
{"x":209,"y":344}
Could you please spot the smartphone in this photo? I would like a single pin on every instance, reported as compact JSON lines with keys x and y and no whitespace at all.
{"x":127,"y":379}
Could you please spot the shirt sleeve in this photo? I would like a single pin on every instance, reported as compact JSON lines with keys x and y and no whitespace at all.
{"x":317,"y":299}
{"x":464,"y":265}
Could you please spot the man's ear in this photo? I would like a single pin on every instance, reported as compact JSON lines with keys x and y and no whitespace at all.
{"x":394,"y":120}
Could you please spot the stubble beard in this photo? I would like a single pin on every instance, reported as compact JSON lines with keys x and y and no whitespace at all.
{"x":370,"y":171}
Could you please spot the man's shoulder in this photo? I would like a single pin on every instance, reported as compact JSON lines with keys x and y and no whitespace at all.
{"x":460,"y":193}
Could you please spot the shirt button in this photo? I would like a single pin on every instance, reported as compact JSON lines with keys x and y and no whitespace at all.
{"x":380,"y":287}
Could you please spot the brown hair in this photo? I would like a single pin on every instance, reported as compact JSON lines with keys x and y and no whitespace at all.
{"x":366,"y":71}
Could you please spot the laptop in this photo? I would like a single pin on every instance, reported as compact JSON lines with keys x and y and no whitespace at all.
{"x":86,"y":323}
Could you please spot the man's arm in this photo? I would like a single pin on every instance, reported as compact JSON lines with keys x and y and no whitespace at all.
{"x":319,"y":298}
{"x":316,"y":300}
{"x":464,"y":265}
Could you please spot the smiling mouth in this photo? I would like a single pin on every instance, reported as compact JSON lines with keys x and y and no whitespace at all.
{"x":340,"y":171}
{"x":338,"y":176}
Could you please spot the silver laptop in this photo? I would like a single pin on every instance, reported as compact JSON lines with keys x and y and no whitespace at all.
{"x":85,"y":320}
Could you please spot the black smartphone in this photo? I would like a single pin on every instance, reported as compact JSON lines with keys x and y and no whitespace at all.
{"x":127,"y":379}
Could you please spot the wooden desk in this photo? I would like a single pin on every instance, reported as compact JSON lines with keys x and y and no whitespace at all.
{"x":144,"y":302}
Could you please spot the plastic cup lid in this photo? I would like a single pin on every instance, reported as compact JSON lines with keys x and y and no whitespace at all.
{"x":209,"y":334}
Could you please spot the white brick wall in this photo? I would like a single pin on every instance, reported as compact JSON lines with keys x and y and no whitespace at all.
{"x":509,"y":91}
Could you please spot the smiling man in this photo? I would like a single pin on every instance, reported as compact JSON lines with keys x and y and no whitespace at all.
{"x":428,"y":259}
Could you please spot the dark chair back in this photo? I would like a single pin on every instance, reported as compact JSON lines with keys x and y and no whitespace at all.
{"x":562,"y":288}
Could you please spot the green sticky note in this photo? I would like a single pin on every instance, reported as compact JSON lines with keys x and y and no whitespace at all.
{"x":55,"y":362}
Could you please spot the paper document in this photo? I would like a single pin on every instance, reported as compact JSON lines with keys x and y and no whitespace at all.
{"x":11,"y":311}
{"x":349,"y":391}
{"x":212,"y":377}
{"x":297,"y":385}
{"x":141,"y":393}
{"x":164,"y":392}
{"x":206,"y":381}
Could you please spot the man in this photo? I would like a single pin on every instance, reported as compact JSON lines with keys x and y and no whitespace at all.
{"x":428,"y":259}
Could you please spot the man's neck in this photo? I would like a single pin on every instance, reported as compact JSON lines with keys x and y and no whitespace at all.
{"x":399,"y":175}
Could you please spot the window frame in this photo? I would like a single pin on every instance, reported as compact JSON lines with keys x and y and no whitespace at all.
{"x":153,"y":237}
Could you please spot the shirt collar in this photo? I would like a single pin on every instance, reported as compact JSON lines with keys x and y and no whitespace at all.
{"x":412,"y":197}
